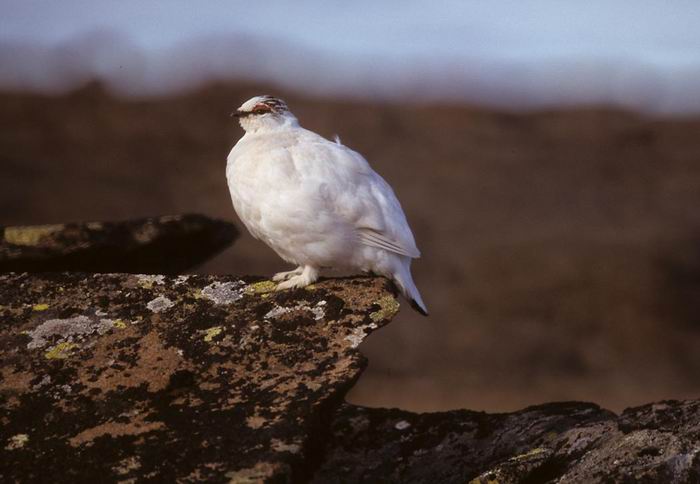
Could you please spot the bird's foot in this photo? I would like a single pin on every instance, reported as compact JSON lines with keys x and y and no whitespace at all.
{"x":283,"y":276}
{"x":307,"y":275}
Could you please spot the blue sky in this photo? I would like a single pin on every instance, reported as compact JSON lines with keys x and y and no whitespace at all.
{"x":545,"y":42}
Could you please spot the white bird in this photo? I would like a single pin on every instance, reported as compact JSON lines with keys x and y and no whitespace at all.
{"x":316,"y":203}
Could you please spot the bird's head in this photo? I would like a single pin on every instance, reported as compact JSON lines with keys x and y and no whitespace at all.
{"x":264,"y":112}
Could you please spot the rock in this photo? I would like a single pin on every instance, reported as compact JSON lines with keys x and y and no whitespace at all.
{"x":122,"y":377}
{"x":162,"y":245}
{"x":389,"y":445}
{"x":559,"y":442}
{"x":132,"y":377}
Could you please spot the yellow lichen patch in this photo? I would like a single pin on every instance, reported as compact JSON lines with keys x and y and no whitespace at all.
{"x":529,"y":454}
{"x":40,"y":307}
{"x":388,"y":305}
{"x":31,"y":235}
{"x":212,"y":333}
{"x":119,"y":324}
{"x":60,"y":352}
{"x":17,"y":442}
{"x":260,"y":287}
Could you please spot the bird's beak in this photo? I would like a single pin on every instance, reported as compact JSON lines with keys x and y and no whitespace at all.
{"x":239,"y":114}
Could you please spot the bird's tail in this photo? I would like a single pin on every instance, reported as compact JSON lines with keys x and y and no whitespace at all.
{"x":404,"y":281}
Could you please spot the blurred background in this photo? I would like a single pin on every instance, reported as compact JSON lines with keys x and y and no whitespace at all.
{"x":547,"y":158}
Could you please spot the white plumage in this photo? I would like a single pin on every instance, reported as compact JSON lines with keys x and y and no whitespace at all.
{"x":315,"y":202}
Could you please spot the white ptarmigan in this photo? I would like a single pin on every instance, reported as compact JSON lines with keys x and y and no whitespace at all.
{"x":315,"y":202}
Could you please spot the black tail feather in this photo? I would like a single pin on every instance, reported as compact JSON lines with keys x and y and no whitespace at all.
{"x":417,"y":308}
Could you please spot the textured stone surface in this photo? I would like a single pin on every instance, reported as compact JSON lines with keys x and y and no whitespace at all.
{"x":558,"y":442}
{"x":115,"y":376}
{"x":162,"y":245}
{"x":122,"y":377}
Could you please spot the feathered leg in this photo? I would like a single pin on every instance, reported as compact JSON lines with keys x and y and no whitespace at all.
{"x":283,"y":276}
{"x":309,"y":275}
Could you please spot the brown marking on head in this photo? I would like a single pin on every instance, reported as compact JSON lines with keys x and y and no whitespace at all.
{"x":262,"y":105}
{"x":261,"y":108}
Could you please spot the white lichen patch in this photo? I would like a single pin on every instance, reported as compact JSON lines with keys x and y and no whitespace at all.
{"x":160,"y":304}
{"x":222,"y":293}
{"x":147,"y":281}
{"x":282,"y":446}
{"x":402,"y":425}
{"x":359,"y":334}
{"x":17,"y":442}
{"x":181,"y":280}
{"x":356,"y":337}
{"x":317,"y":310}
{"x":46,"y":380}
{"x":278,"y":311}
{"x":67,"y":329}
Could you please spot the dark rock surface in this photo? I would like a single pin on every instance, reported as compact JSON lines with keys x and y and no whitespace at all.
{"x":119,"y":377}
{"x":558,"y":442}
{"x":161,"y":245}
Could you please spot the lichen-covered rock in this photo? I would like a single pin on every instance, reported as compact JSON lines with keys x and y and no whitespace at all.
{"x":558,"y":442}
{"x":164,"y":245}
{"x":108,"y":377}
{"x":657,"y":442}
{"x":389,"y":445}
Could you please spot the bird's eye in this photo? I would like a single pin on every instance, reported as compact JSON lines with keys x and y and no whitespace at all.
{"x":259,"y":111}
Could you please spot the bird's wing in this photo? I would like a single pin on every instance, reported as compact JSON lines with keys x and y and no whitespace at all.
{"x":377,"y":239}
{"x":356,"y":194}
{"x":386,"y":227}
